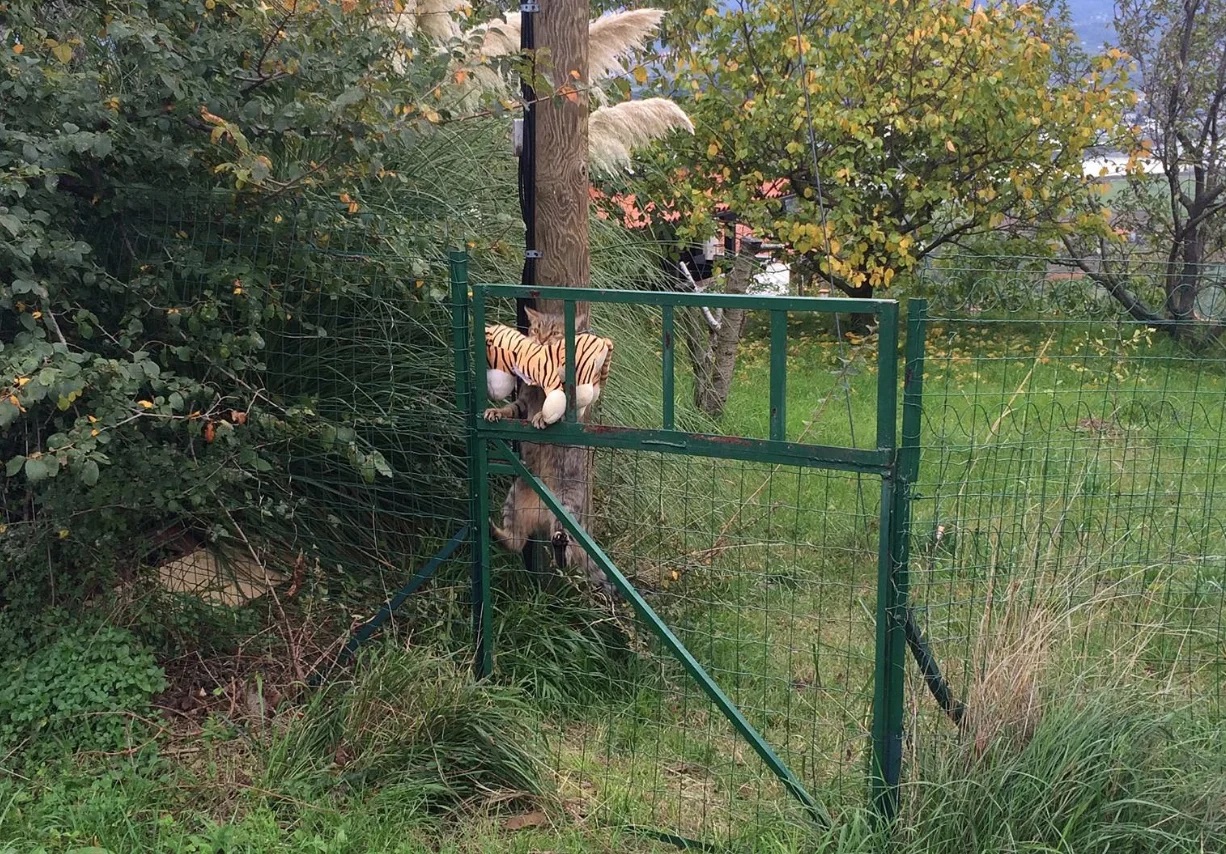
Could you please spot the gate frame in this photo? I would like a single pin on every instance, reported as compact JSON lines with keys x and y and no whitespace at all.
{"x":896,"y":464}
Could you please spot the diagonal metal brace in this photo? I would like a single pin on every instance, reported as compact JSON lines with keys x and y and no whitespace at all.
{"x":666,"y":637}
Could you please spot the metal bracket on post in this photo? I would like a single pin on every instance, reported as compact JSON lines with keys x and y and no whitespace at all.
{"x":533,"y":254}
{"x":529,"y":7}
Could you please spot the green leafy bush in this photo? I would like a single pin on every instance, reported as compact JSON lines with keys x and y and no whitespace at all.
{"x":193,"y":215}
{"x":79,"y":692}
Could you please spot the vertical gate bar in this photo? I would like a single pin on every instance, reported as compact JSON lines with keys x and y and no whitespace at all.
{"x":887,"y":376}
{"x":477,"y":345}
{"x":778,"y":380}
{"x":483,"y":611}
{"x":669,"y":372}
{"x":572,"y":404}
{"x":458,"y":260}
{"x":479,"y":489}
{"x":887,"y":703}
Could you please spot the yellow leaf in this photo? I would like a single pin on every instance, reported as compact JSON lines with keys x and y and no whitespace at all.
{"x":92,"y":419}
{"x":640,"y":74}
{"x":713,"y":149}
{"x":21,"y":381}
{"x":949,"y":145}
{"x":63,"y":533}
{"x":144,"y":404}
{"x":62,"y":52}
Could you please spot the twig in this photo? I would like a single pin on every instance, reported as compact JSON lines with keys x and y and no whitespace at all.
{"x":54,"y":324}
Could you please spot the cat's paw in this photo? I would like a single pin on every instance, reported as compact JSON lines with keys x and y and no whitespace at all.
{"x":539,"y":422}
{"x":493,"y":415}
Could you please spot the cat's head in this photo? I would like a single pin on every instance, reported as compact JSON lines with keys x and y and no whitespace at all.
{"x":544,"y":328}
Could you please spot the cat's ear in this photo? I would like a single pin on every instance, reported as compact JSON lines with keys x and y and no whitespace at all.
{"x":534,"y":316}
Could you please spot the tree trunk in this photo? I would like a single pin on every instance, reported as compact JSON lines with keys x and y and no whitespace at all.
{"x":713,"y":341}
{"x":860,"y":322}
{"x":1183,"y":283}
{"x":560,"y":145}
{"x":562,"y":155}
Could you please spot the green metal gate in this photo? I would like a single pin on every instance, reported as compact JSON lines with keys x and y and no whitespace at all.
{"x":892,"y":462}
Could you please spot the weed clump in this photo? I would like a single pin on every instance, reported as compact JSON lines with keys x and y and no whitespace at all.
{"x":416,"y":722}
{"x":84,"y":691}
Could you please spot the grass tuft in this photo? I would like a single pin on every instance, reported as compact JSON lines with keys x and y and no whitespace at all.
{"x":416,"y":724}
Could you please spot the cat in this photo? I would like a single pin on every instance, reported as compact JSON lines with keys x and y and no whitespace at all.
{"x":565,"y":470}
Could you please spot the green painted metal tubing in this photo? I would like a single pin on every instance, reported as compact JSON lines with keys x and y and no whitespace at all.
{"x":779,"y":376}
{"x":821,"y":305}
{"x":893,"y":632}
{"x":419,"y":578}
{"x":568,"y":369}
{"x":887,"y":377}
{"x":887,"y":704}
{"x":670,"y":641}
{"x":668,"y":349}
{"x":414,"y":584}
{"x":470,"y":376}
{"x":874,"y":461}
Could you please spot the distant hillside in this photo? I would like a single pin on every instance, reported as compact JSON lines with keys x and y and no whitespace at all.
{"x":1092,"y":21}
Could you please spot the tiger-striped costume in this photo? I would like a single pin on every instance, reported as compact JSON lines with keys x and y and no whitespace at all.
{"x":509,"y":354}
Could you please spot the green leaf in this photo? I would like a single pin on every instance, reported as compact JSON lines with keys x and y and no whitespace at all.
{"x":38,"y":469}
{"x":14,"y":466}
{"x":380,"y":464}
{"x":89,"y":473}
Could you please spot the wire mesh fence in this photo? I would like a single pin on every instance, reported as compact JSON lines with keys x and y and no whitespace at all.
{"x":1068,"y":513}
{"x":1068,"y":517}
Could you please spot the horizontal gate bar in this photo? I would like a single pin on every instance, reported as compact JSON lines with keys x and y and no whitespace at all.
{"x":648,"y":615}
{"x":693,"y":444}
{"x":747,"y":302}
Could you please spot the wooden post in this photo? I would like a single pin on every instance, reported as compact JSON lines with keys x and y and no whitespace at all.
{"x":560,"y":230}
{"x":561,"y":148}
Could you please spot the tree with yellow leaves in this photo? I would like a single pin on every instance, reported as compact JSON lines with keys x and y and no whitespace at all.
{"x":886,"y":131}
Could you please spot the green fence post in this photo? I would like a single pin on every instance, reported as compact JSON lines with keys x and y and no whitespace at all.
{"x":469,"y":382}
{"x":479,"y":449}
{"x":897,"y":494}
{"x":886,"y":768}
